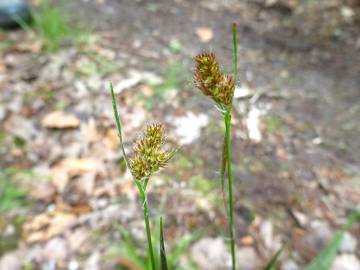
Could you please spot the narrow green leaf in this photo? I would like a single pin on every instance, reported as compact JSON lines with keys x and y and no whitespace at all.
{"x":235,"y":56}
{"x":235,"y":45}
{"x":324,"y":260}
{"x":128,"y":249}
{"x":156,"y":239}
{"x":223,"y":170}
{"x":182,"y":245}
{"x":118,"y":125}
{"x":163,"y":260}
{"x":272,"y":263}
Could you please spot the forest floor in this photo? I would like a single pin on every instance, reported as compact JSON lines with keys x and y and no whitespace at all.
{"x":295,"y":134}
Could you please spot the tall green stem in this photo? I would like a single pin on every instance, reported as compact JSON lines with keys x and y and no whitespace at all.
{"x":141,"y":183}
{"x":235,"y":45}
{"x":147,"y":224}
{"x":230,"y":186}
{"x":227,"y":118}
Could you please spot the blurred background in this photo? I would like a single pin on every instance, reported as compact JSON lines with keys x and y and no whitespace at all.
{"x":66,"y":198}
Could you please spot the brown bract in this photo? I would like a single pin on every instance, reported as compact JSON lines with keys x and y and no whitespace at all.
{"x":211,"y":81}
{"x":149,"y":156}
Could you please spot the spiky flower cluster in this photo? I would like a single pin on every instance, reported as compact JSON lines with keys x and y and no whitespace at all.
{"x":148,"y":156}
{"x":211,"y":81}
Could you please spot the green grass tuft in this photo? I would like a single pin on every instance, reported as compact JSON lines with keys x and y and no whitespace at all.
{"x":131,"y":249}
{"x":10,"y":195}
{"x":52,"y":25}
{"x":324,"y":260}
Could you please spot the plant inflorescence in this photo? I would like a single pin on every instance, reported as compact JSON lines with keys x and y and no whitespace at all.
{"x":220,"y":87}
{"x":149,"y":156}
{"x":211,"y":81}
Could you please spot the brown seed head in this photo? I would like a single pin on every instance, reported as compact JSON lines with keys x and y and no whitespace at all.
{"x":211,"y":81}
{"x":148,"y":156}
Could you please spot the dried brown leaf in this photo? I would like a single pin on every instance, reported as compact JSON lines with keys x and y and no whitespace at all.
{"x":60,"y":120}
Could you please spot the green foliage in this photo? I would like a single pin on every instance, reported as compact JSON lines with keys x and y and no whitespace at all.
{"x":272,"y":263}
{"x":324,"y":260}
{"x":175,"y":75}
{"x":163,"y":260}
{"x":201,"y":184}
{"x":98,"y":65}
{"x":183,"y":162}
{"x":148,"y":159}
{"x":2,"y":137}
{"x":273,"y":123}
{"x":52,"y":25}
{"x":182,"y":165}
{"x":131,"y":249}
{"x":174,"y":78}
{"x":43,"y":93}
{"x":19,"y":142}
{"x":160,"y":260}
{"x":10,"y":242}
{"x":10,"y":195}
{"x":179,"y":249}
